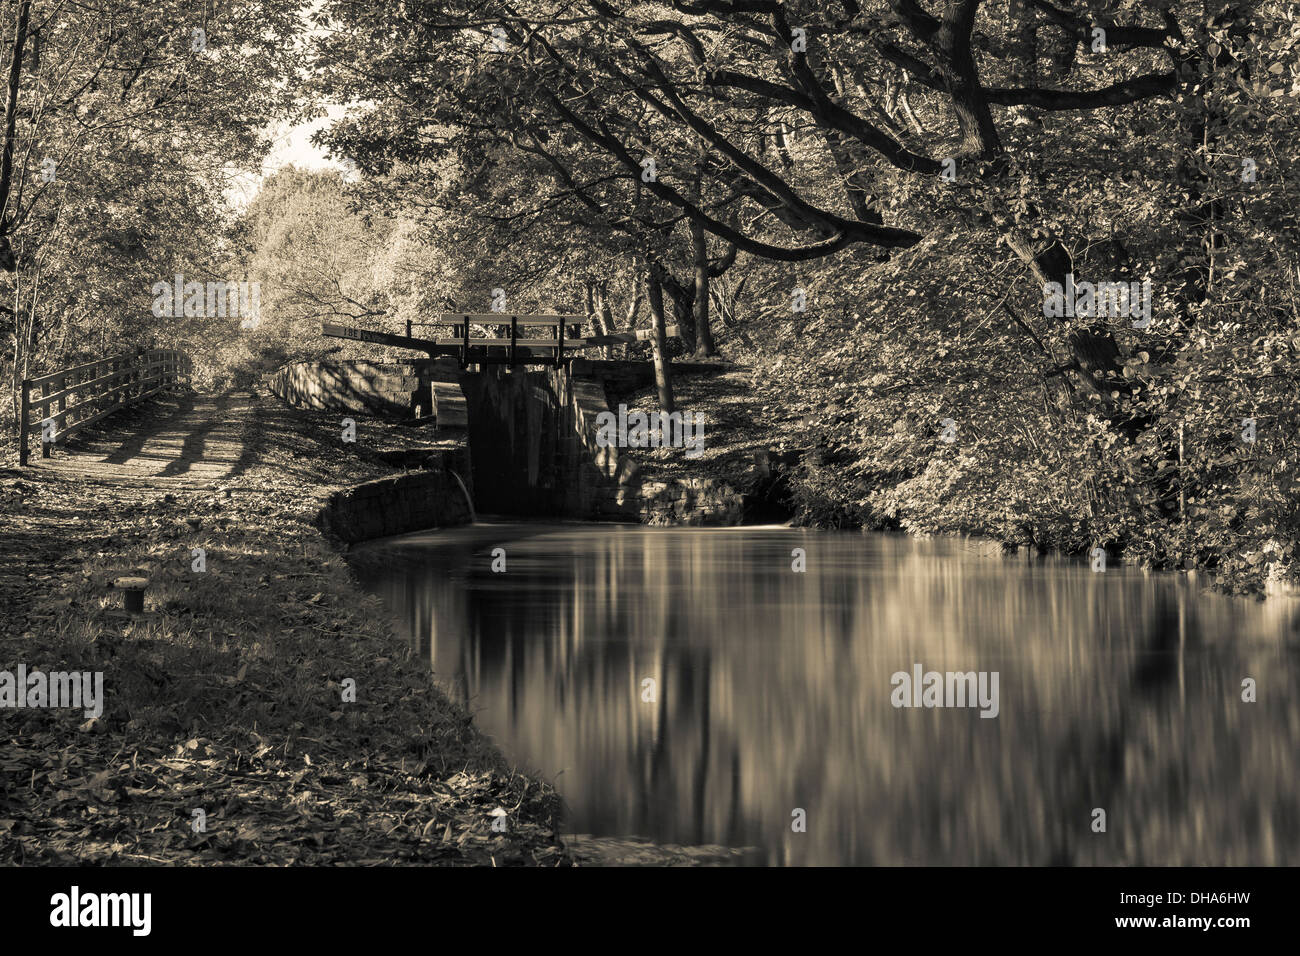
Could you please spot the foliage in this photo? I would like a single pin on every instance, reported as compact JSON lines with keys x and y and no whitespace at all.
{"x":821,"y":166}
{"x":126,"y":133}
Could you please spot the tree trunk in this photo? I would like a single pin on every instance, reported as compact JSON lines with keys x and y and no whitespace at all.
{"x":703,"y":334}
{"x":8,"y":215}
{"x":663,"y":371}
{"x":683,"y":297}
{"x":633,"y":309}
{"x":605,"y":315}
{"x":589,"y":305}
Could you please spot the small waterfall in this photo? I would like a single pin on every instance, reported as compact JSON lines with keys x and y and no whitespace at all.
{"x":468,"y":500}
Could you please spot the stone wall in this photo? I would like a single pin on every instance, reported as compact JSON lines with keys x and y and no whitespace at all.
{"x":692,"y":501}
{"x":533,"y":442}
{"x":415,"y":501}
{"x":402,"y":389}
{"x":531,"y":435}
{"x":370,"y":387}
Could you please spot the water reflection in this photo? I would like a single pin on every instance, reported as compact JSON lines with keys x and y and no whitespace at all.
{"x":1119,"y":691}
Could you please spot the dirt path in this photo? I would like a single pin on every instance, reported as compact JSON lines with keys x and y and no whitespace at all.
{"x":200,"y":441}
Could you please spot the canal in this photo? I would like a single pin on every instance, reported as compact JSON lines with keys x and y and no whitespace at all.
{"x":689,"y":686}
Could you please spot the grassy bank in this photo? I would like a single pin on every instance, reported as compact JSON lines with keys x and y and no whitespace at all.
{"x":228,"y":698}
{"x":880,"y":469}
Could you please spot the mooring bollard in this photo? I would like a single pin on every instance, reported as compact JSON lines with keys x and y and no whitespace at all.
{"x":132,"y":593}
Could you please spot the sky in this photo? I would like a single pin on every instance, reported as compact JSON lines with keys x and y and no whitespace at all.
{"x":292,"y":148}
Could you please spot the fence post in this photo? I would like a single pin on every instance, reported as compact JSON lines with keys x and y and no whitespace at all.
{"x":47,"y":447}
{"x":61,"y":386}
{"x":111,"y":368}
{"x":23,"y":414}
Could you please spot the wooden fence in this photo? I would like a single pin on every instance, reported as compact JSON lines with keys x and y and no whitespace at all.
{"x":73,"y":398}
{"x":562,"y":335}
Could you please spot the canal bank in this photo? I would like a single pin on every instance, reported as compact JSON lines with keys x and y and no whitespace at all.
{"x":530,"y":443}
{"x":791,"y":466}
{"x":261,"y":710}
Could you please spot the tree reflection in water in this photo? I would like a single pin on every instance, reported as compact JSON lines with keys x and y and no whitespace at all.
{"x":1119,"y":690}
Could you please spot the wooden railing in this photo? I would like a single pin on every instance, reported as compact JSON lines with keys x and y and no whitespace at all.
{"x":73,"y":398}
{"x":551,"y":349}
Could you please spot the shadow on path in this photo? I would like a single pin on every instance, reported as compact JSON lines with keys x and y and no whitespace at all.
{"x":134,"y":446}
{"x":179,"y":439}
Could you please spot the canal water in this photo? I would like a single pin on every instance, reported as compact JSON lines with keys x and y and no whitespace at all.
{"x":688,"y":686}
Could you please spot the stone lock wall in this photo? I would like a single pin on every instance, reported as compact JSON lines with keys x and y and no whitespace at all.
{"x":534,"y":450}
{"x":415,"y":501}
{"x":388,"y":389}
{"x":373,"y":387}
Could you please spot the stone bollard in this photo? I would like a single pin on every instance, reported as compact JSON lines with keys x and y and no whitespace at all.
{"x":132,"y":589}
